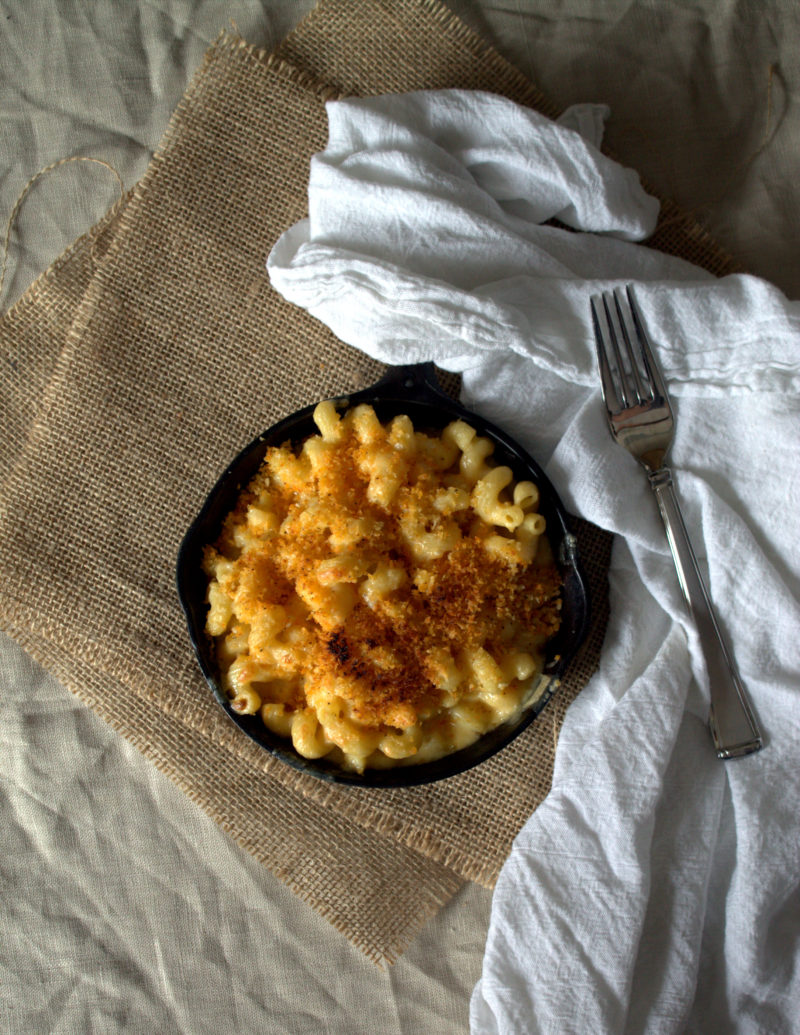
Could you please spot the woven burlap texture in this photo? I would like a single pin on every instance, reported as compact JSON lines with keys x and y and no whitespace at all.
{"x":139,"y":364}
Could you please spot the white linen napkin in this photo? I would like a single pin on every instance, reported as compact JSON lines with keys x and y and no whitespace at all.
{"x":656,"y":888}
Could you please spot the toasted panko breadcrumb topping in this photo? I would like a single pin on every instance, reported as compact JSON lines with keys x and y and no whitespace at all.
{"x":320,"y":555}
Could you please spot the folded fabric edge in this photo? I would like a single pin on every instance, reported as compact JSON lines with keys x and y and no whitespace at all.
{"x":439,"y":886}
{"x":68,"y":280}
{"x":278,"y":63}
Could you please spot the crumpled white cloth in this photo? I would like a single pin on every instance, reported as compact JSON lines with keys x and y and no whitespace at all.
{"x":656,"y":889}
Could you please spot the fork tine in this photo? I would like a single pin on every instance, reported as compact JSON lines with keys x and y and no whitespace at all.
{"x":615,"y":337}
{"x":602,"y":337}
{"x":651,"y":367}
{"x":634,"y":346}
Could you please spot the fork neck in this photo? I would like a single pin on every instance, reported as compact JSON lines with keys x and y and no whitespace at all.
{"x":660,"y":477}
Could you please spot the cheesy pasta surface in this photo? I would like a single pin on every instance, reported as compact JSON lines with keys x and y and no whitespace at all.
{"x":381,"y":596}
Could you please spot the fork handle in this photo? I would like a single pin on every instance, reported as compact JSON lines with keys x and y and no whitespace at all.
{"x":731,"y":720}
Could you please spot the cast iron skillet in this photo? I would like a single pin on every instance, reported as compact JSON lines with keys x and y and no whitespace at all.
{"x":412,"y":390}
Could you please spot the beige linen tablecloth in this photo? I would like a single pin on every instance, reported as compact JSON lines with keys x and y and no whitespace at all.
{"x":126,"y":908}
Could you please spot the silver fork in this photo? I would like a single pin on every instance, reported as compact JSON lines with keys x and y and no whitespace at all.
{"x":640,"y":418}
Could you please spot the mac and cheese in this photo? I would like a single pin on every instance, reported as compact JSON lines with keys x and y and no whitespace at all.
{"x":381,"y":596}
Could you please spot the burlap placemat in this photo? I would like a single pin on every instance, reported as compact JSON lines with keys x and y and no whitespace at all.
{"x":139,"y":364}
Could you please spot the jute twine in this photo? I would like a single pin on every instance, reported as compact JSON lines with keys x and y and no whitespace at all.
{"x":140,"y":363}
{"x":52,"y":167}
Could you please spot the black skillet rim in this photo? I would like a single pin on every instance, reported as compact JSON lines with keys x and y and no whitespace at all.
{"x":414,"y":390}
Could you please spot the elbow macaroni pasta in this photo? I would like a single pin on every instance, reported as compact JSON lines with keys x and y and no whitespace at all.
{"x":381,"y":596}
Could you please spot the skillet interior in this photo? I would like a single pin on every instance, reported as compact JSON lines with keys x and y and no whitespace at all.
{"x":412,"y":390}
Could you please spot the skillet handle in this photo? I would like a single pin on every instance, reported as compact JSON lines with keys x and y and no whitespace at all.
{"x":418,"y":382}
